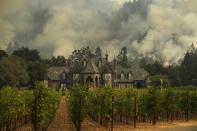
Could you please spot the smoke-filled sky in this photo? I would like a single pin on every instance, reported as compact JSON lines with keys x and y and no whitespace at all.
{"x":162,"y":29}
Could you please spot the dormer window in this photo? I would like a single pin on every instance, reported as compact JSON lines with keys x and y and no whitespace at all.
{"x":122,"y":76}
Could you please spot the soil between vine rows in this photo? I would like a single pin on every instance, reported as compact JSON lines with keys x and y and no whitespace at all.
{"x":61,"y":121}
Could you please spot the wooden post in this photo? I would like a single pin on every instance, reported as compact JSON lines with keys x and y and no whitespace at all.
{"x":112,"y":114}
{"x":177,"y":113}
{"x":7,"y":126}
{"x":80,"y":113}
{"x":144,"y":118}
{"x":15,"y":124}
{"x":154,"y":110}
{"x":167,"y":115}
{"x":36,"y":114}
{"x":172,"y":109}
{"x":187,"y":110}
{"x":135,"y":116}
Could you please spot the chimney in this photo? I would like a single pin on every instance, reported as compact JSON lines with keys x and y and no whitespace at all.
{"x":106,"y":56}
{"x":70,"y":60}
{"x":84,"y":62}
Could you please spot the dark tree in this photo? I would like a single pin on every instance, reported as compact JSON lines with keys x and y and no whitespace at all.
{"x":13,"y":72}
{"x":160,"y":81}
{"x":27,"y":54}
{"x":143,"y":63}
{"x":187,"y":59}
{"x":85,"y":52}
{"x":36,"y":68}
{"x":171,"y":72}
{"x":174,"y":75}
{"x":184,"y":74}
{"x":59,"y":61}
{"x":37,"y":71}
{"x":122,"y":57}
{"x":98,"y":52}
{"x":3,"y":54}
{"x":155,"y":69}
{"x":188,"y":69}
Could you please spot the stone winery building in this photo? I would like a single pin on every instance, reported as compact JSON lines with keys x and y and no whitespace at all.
{"x":97,"y":73}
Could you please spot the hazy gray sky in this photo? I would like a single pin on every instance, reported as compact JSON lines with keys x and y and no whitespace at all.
{"x":162,"y":29}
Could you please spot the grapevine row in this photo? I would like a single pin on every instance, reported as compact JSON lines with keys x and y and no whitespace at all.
{"x":48,"y":101}
{"x":169,"y":104}
{"x":17,"y":107}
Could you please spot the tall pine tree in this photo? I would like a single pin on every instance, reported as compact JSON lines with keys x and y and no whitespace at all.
{"x":98,"y":52}
{"x":122,"y":58}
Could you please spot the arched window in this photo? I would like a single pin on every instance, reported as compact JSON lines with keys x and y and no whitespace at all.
{"x":107,"y":76}
{"x":122,"y":76}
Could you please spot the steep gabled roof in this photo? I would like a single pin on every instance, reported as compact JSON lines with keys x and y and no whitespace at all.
{"x":76,"y":68}
{"x":90,"y":67}
{"x":140,"y":74}
{"x":105,"y":68}
{"x":137,"y":73}
{"x":119,"y":69}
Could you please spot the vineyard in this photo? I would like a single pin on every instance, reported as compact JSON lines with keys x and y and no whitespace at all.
{"x":105,"y":106}
{"x":130,"y":105}
{"x":19,"y":107}
{"x":15,"y":108}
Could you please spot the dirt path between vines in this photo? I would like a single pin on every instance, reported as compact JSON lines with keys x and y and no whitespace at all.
{"x":90,"y":125}
{"x":27,"y":127}
{"x":160,"y":126}
{"x":62,"y":121}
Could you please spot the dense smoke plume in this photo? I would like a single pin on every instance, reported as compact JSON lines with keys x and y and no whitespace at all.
{"x":162,"y":29}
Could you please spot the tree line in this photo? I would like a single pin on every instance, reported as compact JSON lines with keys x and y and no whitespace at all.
{"x":22,"y":68}
{"x":183,"y":74}
{"x":25,"y":66}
